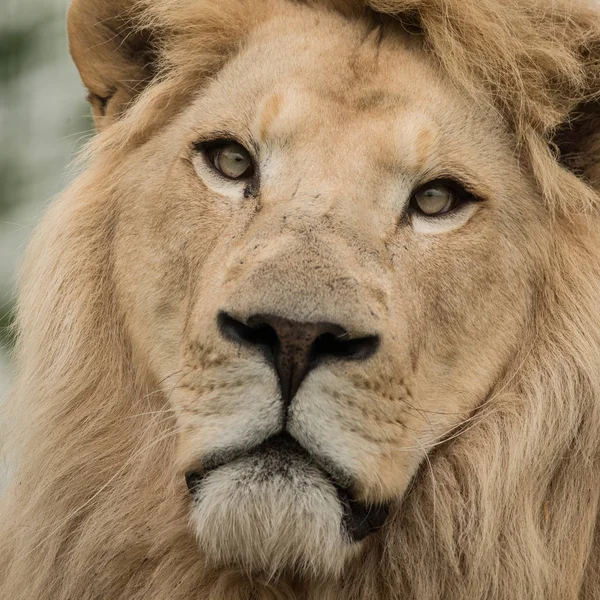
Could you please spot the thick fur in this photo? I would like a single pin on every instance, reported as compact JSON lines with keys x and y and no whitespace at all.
{"x":505,"y":505}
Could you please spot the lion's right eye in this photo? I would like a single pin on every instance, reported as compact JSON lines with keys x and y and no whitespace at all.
{"x":231,"y":160}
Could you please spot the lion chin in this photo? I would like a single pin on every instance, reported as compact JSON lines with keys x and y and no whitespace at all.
{"x":274,"y":510}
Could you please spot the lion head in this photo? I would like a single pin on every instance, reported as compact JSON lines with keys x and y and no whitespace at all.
{"x":319,"y":317}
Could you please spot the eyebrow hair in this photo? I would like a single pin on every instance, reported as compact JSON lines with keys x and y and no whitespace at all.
{"x":461,"y":176}
{"x":204,"y":138}
{"x":215,"y":135}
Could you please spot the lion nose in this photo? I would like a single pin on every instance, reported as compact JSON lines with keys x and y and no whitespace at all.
{"x":294,"y":348}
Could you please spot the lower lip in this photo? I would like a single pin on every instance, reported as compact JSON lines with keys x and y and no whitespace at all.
{"x":360,"y":519}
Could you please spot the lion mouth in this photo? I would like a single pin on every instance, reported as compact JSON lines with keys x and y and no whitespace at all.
{"x":283,"y":455}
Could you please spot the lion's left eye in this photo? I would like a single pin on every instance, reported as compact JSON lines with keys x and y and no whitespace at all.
{"x":231,"y":160}
{"x":435,"y":199}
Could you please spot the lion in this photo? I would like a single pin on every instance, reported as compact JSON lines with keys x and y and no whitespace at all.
{"x":318,"y":319}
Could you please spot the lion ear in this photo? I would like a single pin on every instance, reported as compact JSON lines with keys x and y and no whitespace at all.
{"x":577,"y":142}
{"x":113,"y":53}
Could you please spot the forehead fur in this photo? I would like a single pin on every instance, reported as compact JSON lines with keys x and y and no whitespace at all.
{"x":533,"y":61}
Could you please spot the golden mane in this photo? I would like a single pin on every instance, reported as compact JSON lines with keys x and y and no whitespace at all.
{"x":92,"y":494}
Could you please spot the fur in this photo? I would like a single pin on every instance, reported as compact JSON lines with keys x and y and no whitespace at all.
{"x":506,"y":507}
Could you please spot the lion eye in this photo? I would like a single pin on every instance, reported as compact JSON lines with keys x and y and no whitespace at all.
{"x":232,"y":160}
{"x":435,"y":199}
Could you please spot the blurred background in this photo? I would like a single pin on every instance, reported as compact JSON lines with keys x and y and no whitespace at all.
{"x":44,"y":119}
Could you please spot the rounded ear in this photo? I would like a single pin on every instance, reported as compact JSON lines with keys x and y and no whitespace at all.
{"x":578,"y":143}
{"x":113,"y":53}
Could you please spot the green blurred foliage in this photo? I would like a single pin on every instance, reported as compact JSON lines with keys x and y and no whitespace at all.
{"x":7,"y":332}
{"x":16,"y":46}
{"x":43,"y":120}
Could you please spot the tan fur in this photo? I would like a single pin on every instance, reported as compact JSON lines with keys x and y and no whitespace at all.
{"x":479,"y":416}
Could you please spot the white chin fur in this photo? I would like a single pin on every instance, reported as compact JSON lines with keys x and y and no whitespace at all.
{"x":267,"y":517}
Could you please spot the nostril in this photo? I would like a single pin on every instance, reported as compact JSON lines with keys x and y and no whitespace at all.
{"x":342,"y":346}
{"x":293,"y":347}
{"x":255,"y":333}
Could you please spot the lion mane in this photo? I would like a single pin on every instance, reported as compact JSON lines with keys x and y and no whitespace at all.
{"x":93,"y":508}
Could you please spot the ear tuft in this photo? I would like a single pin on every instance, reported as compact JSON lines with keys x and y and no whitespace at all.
{"x":115,"y":56}
{"x":578,"y":140}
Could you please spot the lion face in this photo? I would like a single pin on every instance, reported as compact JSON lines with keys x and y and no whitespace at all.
{"x":331,"y":271}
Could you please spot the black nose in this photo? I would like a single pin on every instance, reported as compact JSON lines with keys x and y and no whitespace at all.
{"x":294,"y":348}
